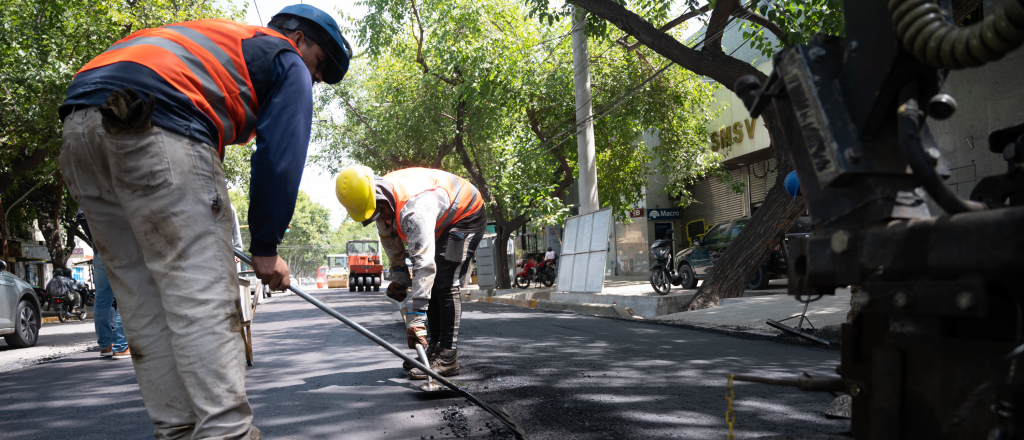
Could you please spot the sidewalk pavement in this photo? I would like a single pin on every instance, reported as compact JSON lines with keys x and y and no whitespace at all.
{"x":633,"y":298}
{"x":748,"y":315}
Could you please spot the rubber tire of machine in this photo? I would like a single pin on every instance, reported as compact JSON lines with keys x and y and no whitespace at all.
{"x":689,"y":278}
{"x":376,"y":284}
{"x":15,"y":340}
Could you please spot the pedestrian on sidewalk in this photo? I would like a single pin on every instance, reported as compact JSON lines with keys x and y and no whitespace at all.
{"x":106,"y":317}
{"x":146,"y":124}
{"x":436,"y":219}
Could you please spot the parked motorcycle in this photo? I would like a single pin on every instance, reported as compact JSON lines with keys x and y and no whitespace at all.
{"x":543,"y":273}
{"x":663,"y":276}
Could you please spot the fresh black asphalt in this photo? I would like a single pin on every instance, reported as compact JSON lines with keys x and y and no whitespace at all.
{"x":562,"y":376}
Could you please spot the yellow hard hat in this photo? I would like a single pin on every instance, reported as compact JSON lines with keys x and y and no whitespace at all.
{"x":355,"y":191}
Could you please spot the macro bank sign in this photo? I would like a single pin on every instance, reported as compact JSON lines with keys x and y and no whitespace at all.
{"x":663,"y":214}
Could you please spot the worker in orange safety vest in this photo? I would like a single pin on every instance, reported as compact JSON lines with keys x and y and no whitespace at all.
{"x":146,"y":124}
{"x":435,"y":219}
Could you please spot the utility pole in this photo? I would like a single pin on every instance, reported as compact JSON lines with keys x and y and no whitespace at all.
{"x":584,"y":116}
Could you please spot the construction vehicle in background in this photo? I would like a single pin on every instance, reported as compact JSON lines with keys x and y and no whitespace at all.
{"x":336,"y":275}
{"x":364,"y":268}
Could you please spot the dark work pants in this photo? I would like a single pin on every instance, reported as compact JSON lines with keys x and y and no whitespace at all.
{"x":445,"y":307}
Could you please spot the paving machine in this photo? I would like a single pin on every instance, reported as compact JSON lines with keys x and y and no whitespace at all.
{"x":365,"y":271}
{"x":935,"y":351}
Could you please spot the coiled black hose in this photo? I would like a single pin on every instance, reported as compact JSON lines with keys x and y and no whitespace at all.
{"x":930,"y":38}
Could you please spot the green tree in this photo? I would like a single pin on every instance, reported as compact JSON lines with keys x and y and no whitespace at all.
{"x":308,"y":239}
{"x":474,"y":79}
{"x":42,"y":44}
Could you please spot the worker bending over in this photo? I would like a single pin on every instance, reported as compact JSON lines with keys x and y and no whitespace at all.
{"x":145,"y":127}
{"x":441,"y":218}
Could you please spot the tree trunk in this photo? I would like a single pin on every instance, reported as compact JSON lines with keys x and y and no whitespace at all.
{"x":49,"y":201}
{"x":750,"y":249}
{"x":502,"y":280}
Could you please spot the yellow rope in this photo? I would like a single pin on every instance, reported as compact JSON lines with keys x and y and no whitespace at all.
{"x":730,"y":416}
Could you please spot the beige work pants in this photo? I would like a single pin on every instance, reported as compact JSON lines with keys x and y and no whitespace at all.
{"x":158,"y":207}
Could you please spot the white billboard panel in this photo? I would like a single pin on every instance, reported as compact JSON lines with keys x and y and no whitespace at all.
{"x":579,"y":273}
{"x":600,"y":230}
{"x":595,"y":271}
{"x":583,"y":231}
{"x":565,"y":272}
{"x":584,"y":251}
{"x":569,"y":245}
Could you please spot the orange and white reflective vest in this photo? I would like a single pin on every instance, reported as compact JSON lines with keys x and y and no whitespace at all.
{"x":408,"y":183}
{"x":203,"y":60}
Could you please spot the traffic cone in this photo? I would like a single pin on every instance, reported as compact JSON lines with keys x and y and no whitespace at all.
{"x":320,"y":283}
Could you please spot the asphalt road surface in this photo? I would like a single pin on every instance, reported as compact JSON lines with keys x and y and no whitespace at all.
{"x":562,"y":376}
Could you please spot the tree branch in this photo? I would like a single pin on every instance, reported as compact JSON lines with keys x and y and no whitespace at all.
{"x":716,"y":25}
{"x":419,"y":39}
{"x":666,"y":27}
{"x":714,"y":64}
{"x":753,"y":17}
{"x":419,"y":48}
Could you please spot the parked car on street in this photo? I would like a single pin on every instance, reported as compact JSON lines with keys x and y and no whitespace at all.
{"x":696,"y":262}
{"x":20,"y":312}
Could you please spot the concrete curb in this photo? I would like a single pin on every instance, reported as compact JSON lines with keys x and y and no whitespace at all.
{"x":606,"y":310}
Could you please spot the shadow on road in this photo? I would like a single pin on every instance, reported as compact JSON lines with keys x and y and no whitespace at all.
{"x":561,"y":376}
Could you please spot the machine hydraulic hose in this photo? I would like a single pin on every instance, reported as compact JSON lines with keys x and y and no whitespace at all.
{"x":910,"y":139}
{"x":926,"y":34}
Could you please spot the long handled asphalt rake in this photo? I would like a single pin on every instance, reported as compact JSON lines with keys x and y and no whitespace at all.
{"x":500,"y":414}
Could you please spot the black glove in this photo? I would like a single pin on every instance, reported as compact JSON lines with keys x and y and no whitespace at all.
{"x":126,"y":113}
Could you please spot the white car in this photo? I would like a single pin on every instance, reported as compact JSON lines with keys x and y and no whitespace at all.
{"x":20,"y":314}
{"x":253,"y":282}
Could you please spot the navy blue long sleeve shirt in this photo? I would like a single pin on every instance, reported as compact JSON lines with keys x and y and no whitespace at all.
{"x":284,"y":90}
{"x":282,"y":140}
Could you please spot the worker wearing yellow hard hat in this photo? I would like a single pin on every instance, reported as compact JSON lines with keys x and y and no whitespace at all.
{"x":435,"y":219}
{"x":354,"y":188}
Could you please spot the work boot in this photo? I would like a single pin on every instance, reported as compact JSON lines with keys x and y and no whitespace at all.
{"x":431,"y":354}
{"x":447,"y":363}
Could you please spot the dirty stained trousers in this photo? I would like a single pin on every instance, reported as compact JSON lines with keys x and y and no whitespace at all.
{"x":158,"y":207}
{"x":455,"y":248}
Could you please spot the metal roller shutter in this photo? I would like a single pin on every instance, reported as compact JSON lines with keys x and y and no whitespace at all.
{"x":762,"y":179}
{"x":714,"y":201}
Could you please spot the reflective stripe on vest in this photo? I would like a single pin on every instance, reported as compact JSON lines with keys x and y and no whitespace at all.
{"x":408,"y":183}
{"x":203,"y":60}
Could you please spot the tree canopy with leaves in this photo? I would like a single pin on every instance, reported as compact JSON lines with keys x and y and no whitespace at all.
{"x":473,"y":88}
